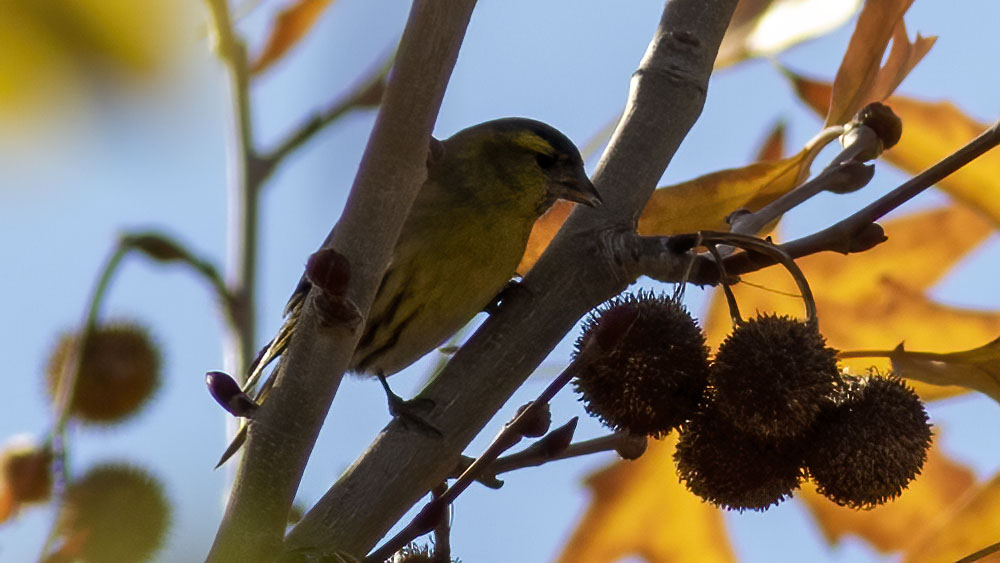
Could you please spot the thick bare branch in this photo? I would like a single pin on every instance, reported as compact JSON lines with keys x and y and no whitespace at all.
{"x":575,"y":274}
{"x":393,"y":168}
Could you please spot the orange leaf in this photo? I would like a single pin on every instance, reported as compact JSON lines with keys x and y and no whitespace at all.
{"x":860,"y":66}
{"x":968,"y":526}
{"x":932,"y":131}
{"x":895,"y":526}
{"x":875,"y":299}
{"x":289,"y":28}
{"x":641,"y":508}
{"x":773,"y":147}
{"x":543,"y":232}
{"x":903,"y":56}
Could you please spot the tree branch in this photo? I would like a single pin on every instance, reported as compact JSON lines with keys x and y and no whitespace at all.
{"x":244,"y":179}
{"x":284,"y":429}
{"x":367,"y":94}
{"x":573,"y":276}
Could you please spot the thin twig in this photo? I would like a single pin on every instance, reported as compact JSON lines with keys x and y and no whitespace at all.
{"x":533,"y":457}
{"x":67,"y":383}
{"x":734,"y":308}
{"x":507,"y":437}
{"x":366,"y":94}
{"x":843,"y":174}
{"x":977,"y":556}
{"x":244,"y":177}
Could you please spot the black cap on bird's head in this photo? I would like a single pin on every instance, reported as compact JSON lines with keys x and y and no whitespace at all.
{"x":553,"y":153}
{"x":558,"y":157}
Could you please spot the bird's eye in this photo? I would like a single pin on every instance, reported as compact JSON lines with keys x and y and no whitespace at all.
{"x":545,"y":161}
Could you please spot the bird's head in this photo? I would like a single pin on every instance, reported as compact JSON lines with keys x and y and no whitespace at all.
{"x":529,"y":161}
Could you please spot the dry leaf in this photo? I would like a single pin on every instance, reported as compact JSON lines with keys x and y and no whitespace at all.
{"x":291,"y":25}
{"x":895,"y":526}
{"x":860,"y":65}
{"x":704,"y":202}
{"x":903,"y":56}
{"x":773,"y":147}
{"x":932,"y":131}
{"x":977,"y":369}
{"x":641,"y":508}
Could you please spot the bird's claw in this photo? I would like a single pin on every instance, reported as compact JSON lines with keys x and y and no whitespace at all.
{"x":410,"y":413}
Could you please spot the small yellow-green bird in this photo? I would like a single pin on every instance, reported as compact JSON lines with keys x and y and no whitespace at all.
{"x":461,"y":243}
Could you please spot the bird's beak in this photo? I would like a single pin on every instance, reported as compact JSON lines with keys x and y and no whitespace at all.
{"x":577,"y":187}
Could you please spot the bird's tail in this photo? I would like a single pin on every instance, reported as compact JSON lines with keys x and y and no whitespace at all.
{"x":268,"y":354}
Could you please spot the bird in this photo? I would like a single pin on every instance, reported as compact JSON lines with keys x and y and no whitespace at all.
{"x":459,"y":246}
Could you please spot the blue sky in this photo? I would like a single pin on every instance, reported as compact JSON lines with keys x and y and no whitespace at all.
{"x":158,"y":160}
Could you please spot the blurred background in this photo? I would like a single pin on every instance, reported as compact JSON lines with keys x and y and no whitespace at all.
{"x":114,"y":116}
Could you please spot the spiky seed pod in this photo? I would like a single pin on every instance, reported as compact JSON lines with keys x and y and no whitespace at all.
{"x":734,"y":470}
{"x":649,"y":374}
{"x":25,"y":475}
{"x":772,"y":376}
{"x":114,"y":513}
{"x":119,"y":371}
{"x":870,"y":444}
{"x":414,"y":553}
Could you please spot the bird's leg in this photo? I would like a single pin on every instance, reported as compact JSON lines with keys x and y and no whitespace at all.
{"x":409,"y":412}
{"x":512,"y":288}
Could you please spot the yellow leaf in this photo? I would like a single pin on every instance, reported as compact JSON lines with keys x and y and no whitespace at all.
{"x":859,"y":69}
{"x":766,"y":27}
{"x":291,"y":25}
{"x":977,"y":369}
{"x":704,"y":202}
{"x":640,"y":508}
{"x":932,"y":131}
{"x":895,"y":526}
{"x":969,"y":525}
{"x":55,"y":52}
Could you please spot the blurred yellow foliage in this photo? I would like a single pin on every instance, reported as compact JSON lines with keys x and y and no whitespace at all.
{"x":60,"y":51}
{"x":641,"y":508}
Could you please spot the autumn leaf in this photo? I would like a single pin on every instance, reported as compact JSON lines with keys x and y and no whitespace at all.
{"x":903,"y":56}
{"x":896,"y":525}
{"x":768,"y":27}
{"x":58,"y":53}
{"x":969,"y":524}
{"x":875,"y":299}
{"x":978,"y":368}
{"x":773,"y":146}
{"x":641,"y":508}
{"x":860,"y":78}
{"x":932,"y":131}
{"x":291,"y":25}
